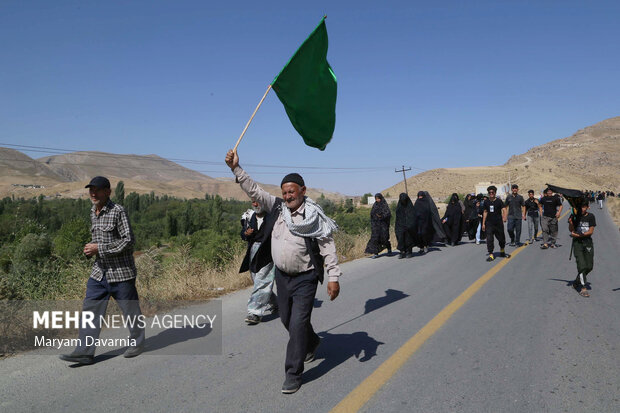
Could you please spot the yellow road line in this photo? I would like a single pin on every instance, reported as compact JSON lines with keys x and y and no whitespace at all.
{"x":366,"y":389}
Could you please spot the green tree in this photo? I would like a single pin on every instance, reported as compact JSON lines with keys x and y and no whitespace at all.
{"x":216,"y":213}
{"x":364,"y":200}
{"x":186,"y":219}
{"x":329,"y":207}
{"x":348,"y":205}
{"x":172,"y":225}
{"x":119,"y":193}
{"x":132,"y":203}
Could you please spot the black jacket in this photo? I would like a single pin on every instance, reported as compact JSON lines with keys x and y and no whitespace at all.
{"x":263,"y":255}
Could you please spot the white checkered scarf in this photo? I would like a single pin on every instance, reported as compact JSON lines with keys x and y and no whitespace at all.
{"x":315,"y":224}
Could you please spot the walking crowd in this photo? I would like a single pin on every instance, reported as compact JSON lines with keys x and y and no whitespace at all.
{"x":290,"y":245}
{"x":483,"y":217}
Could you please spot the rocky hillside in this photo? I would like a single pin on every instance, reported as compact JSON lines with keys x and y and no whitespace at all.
{"x":588,"y":159}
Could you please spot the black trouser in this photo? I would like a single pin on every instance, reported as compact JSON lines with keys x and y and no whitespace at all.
{"x":583,"y":249}
{"x":514,"y":229}
{"x":295,"y":301}
{"x":497,"y":230}
{"x":472,"y":226}
{"x":98,"y":295}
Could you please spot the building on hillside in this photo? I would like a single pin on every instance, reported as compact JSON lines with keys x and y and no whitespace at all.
{"x":502,"y":189}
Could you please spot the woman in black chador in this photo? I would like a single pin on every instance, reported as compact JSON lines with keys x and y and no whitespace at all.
{"x":405,"y":225}
{"x":427,"y":225}
{"x":471,"y":216}
{"x":453,"y":220}
{"x":380,"y":216}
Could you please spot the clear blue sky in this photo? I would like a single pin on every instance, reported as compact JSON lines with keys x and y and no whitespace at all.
{"x":421,"y":83}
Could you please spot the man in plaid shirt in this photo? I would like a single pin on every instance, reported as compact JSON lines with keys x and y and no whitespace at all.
{"x":113,"y":273}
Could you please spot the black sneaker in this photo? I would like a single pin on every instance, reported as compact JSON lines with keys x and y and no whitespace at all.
{"x":401,"y":256}
{"x":544,"y":247}
{"x":490,"y":258}
{"x":252,"y":319}
{"x":553,"y":246}
{"x":512,"y":244}
{"x":78,"y":358}
{"x":290,"y":386}
{"x":133,"y":352}
{"x":311,"y":355}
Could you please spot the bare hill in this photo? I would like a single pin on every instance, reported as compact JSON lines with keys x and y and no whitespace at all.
{"x":66,"y":175}
{"x":18,"y":168}
{"x":78,"y":166}
{"x":588,"y":159}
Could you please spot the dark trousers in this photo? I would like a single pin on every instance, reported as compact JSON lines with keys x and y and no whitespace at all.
{"x":98,"y":294}
{"x":472,"y":226}
{"x":295,"y":301}
{"x":495,"y":231}
{"x":514,"y":229}
{"x":583,"y":249}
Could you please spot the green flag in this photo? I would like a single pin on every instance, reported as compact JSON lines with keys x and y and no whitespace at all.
{"x":307,"y":89}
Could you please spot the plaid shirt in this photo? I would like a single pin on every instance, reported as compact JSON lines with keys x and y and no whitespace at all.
{"x":112,"y":233}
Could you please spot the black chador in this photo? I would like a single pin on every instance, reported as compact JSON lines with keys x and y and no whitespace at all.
{"x":380,"y":216}
{"x":404,"y":226}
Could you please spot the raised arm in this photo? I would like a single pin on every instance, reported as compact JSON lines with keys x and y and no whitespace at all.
{"x":251,"y":188}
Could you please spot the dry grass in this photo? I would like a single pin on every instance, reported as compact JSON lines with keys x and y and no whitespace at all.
{"x":181,"y":277}
{"x":614,"y":209}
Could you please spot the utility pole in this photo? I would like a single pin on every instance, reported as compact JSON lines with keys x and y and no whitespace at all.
{"x":404,"y":177}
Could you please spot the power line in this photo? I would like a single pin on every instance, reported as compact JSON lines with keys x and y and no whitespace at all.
{"x":60,"y":151}
{"x":177,"y":168}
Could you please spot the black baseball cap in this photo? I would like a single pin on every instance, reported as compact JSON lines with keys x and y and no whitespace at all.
{"x":99,"y":182}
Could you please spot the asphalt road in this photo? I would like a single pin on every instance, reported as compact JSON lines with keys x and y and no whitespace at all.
{"x":524,"y":342}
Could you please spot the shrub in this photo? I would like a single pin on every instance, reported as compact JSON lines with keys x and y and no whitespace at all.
{"x":71,"y":238}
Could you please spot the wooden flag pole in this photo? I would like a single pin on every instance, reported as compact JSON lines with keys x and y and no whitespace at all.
{"x":252,"y":117}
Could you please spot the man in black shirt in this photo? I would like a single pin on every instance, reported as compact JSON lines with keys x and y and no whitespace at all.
{"x":516,"y":213}
{"x":550,"y":209}
{"x":531,"y":210}
{"x":581,"y":229}
{"x":493,"y":219}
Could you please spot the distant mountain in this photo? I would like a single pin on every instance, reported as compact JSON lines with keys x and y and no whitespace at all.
{"x":79,"y":166}
{"x":66,"y":175}
{"x":589,"y":159}
{"x":18,"y":168}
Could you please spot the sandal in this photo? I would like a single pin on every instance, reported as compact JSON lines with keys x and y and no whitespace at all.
{"x":584,"y":293}
{"x":544,"y":247}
